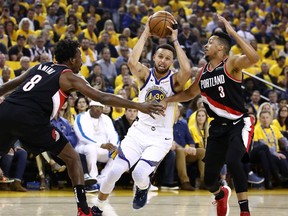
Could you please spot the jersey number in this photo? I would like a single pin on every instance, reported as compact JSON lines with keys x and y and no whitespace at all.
{"x":221,"y":91}
{"x":34,"y":80}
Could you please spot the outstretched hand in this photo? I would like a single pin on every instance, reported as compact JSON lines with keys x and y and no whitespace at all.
{"x":152,"y":108}
{"x":228,"y":27}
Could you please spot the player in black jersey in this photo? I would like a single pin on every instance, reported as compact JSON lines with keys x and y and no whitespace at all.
{"x":230,"y":133}
{"x":41,"y":91}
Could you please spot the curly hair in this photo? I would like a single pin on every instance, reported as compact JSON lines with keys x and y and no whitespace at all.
{"x":65,"y":49}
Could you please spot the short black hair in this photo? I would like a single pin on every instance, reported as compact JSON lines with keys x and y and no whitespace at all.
{"x":224,"y":38}
{"x":65,"y":49}
{"x":167,"y":46}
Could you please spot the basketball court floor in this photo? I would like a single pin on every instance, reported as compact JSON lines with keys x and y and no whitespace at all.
{"x":180,"y":203}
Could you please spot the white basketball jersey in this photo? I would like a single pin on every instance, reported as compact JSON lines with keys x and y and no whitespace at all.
{"x":158,"y":90}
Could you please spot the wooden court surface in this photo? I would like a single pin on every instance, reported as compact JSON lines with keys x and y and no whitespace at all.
{"x":180,"y":203}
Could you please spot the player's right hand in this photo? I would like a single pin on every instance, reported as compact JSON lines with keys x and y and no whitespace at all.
{"x":152,"y":108}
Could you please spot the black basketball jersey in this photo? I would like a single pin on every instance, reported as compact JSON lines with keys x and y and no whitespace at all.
{"x":41,"y":90}
{"x":222,"y":94}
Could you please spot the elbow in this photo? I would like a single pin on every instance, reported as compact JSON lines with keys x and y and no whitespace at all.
{"x":131,"y":62}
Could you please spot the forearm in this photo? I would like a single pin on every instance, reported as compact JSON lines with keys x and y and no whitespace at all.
{"x":182,"y":58}
{"x":247,"y":49}
{"x":180,"y":97}
{"x":138,"y":48}
{"x":113,"y":100}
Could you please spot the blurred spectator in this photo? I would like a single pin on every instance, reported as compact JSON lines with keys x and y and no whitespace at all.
{"x":123,"y":42}
{"x":34,"y":24}
{"x":275,"y":35}
{"x":4,"y":65}
{"x":276,"y":69}
{"x":109,"y":28}
{"x":4,"y":39}
{"x":24,"y":28}
{"x":187,"y":38}
{"x":25,"y":64}
{"x":81,"y":104}
{"x":89,"y":32}
{"x":255,"y":101}
{"x":131,"y":19}
{"x":39,"y":49}
{"x":281,"y":120}
{"x":108,"y":67}
{"x":104,"y":43}
{"x":88,"y":56}
{"x":51,"y":14}
{"x":96,"y":138}
{"x":5,"y":16}
{"x":40,"y":16}
{"x":13,"y":165}
{"x":78,"y":9}
{"x":9,"y":27}
{"x":122,"y":59}
{"x":284,"y":51}
{"x":19,"y":50}
{"x":5,"y":75}
{"x":59,"y":27}
{"x":270,"y":51}
{"x":266,"y":75}
{"x":245,"y":33}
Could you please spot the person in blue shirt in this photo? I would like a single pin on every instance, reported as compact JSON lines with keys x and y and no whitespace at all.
{"x":186,"y":151}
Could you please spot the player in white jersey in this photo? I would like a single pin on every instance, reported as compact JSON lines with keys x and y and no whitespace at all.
{"x":148,"y":139}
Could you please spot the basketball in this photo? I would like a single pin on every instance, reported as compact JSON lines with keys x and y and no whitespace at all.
{"x":159,"y":22}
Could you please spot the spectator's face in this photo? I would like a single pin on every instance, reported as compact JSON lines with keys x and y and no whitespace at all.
{"x":273,"y":97}
{"x":106,"y":55}
{"x":82,"y":105}
{"x":201,"y":117}
{"x":131,"y":114}
{"x":255,"y":97}
{"x":265,"y":119}
{"x":25,"y":64}
{"x":283,"y":112}
{"x":96,"y":111}
{"x":97,"y":70}
{"x":6,"y":75}
{"x":2,"y":60}
{"x":40,"y":43}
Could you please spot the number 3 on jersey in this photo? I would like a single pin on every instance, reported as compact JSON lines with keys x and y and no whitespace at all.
{"x":33,"y":81}
{"x":221,"y":91}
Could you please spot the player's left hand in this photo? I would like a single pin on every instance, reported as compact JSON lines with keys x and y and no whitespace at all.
{"x":152,"y":108}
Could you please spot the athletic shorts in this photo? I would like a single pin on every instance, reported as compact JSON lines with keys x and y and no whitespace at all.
{"x":147,"y":143}
{"x":31,"y":127}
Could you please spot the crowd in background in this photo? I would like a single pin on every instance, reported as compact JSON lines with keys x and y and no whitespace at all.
{"x":107,"y":32}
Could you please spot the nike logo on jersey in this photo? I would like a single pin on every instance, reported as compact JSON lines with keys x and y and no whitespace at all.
{"x":234,"y":123}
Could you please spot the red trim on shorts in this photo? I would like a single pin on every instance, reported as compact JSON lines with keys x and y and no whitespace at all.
{"x":250,"y":134}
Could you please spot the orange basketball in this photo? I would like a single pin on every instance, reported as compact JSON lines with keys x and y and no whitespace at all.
{"x":159,"y":22}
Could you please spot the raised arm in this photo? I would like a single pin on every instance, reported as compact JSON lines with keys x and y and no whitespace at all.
{"x":235,"y":64}
{"x":137,"y":69}
{"x":180,"y":78}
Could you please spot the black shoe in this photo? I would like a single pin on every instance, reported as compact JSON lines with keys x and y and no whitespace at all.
{"x":140,"y":198}
{"x":96,"y":211}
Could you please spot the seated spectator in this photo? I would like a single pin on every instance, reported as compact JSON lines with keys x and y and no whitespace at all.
{"x":19,"y":50}
{"x":266,"y":150}
{"x":3,"y":65}
{"x":39,"y":49}
{"x":25,"y":64}
{"x":281,"y":121}
{"x":105,"y":42}
{"x":264,"y":74}
{"x":97,"y":138}
{"x":13,"y":165}
{"x":270,"y":51}
{"x":5,"y":75}
{"x":88,"y":57}
{"x":122,"y":59}
{"x":186,"y":151}
{"x":81,"y":104}
{"x":108,"y":66}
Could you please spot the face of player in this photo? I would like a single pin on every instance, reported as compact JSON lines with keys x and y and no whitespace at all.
{"x":211,"y":48}
{"x":163,"y":59}
{"x":76,"y":62}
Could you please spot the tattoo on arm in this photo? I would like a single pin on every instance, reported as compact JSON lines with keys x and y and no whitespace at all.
{"x":235,"y":70}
